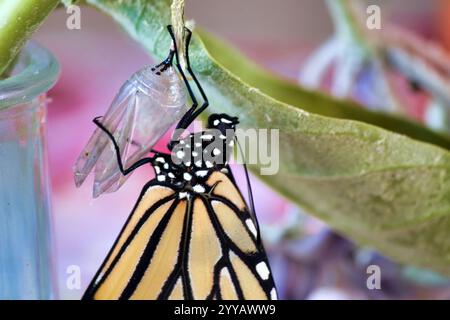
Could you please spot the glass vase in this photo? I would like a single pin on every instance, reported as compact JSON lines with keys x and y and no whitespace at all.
{"x":25,"y":219}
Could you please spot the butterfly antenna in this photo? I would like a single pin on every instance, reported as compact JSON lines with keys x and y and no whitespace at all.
{"x":249,"y":189}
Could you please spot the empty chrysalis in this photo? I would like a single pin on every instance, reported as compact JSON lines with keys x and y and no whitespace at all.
{"x":147,"y":105}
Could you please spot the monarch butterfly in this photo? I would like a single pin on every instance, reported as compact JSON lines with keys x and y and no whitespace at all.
{"x":191,"y":234}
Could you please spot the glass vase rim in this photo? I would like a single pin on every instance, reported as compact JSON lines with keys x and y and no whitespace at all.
{"x":39,"y":74}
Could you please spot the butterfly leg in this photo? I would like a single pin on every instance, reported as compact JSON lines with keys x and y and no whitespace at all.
{"x":176,"y":135}
{"x":134,"y":166}
{"x":190,"y":116}
{"x":193,"y":112}
{"x":165,"y":63}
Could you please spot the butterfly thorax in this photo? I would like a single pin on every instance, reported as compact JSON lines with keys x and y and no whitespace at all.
{"x":196,"y":156}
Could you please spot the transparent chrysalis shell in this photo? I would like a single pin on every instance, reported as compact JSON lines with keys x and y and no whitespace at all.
{"x":146,"y":106}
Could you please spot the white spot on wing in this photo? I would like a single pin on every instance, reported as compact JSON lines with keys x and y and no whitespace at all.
{"x":198,"y":163}
{"x":161,"y":178}
{"x":160,"y":159}
{"x":209,"y":164}
{"x":199,"y":188}
{"x":187,"y":176}
{"x":273,"y":294}
{"x":180,"y":154}
{"x":183,"y":195}
{"x":263,"y":270}
{"x":216,"y":151}
{"x":225,"y":273}
{"x":251,"y":227}
{"x":207,"y":137}
{"x":201,"y":173}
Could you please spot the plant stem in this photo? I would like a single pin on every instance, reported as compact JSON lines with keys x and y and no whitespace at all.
{"x":346,"y":22}
{"x":357,"y":43}
{"x":18,"y":21}
{"x":177,"y":19}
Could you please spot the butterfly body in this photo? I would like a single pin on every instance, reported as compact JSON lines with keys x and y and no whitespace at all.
{"x":191,"y":234}
{"x":193,"y":158}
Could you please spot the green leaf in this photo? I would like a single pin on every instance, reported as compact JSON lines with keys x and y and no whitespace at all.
{"x":68,"y":3}
{"x":381,"y":180}
{"x":18,"y":21}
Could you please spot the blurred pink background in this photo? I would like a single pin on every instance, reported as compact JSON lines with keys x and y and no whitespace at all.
{"x":97,"y":59}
